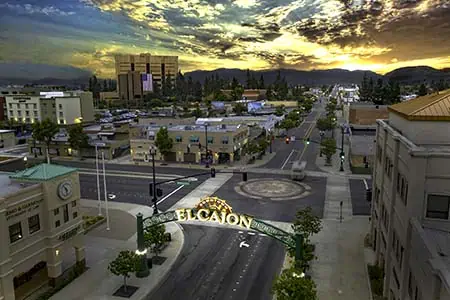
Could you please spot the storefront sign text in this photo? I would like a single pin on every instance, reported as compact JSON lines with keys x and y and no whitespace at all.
{"x":22,"y":209}
{"x":68,"y":234}
{"x":206,"y":215}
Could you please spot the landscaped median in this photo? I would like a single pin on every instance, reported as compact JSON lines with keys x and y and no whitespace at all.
{"x":91,"y":222}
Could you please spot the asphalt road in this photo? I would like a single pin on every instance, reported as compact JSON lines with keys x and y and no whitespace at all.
{"x":286,"y":154}
{"x":266,"y":209}
{"x":134,"y":190}
{"x":358,"y":194}
{"x":213,"y":266}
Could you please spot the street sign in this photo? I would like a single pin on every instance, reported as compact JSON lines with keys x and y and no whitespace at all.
{"x":183,"y":183}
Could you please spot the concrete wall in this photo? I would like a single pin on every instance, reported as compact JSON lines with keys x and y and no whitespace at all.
{"x":68,"y":109}
{"x":422,"y":132}
{"x":7,"y":139}
{"x":87,"y":106}
{"x":167,"y":121}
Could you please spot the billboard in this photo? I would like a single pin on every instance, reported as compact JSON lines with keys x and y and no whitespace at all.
{"x":147,"y":82}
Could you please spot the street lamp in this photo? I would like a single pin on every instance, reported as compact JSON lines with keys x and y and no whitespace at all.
{"x":342,"y":154}
{"x":152,"y":151}
{"x":206,"y":140}
{"x":321,"y":138}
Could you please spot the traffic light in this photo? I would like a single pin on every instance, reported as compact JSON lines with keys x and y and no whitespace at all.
{"x":287,"y":140}
{"x":244,"y":176}
{"x":307,"y":141}
{"x":213,"y":172}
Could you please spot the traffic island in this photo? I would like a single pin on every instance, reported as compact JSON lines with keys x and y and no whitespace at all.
{"x":125,"y":291}
{"x":91,"y":222}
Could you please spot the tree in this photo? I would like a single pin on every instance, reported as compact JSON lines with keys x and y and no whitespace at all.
{"x":280,"y":110}
{"x":306,"y":223}
{"x":328,"y":148}
{"x":307,"y":105}
{"x":422,"y":90}
{"x":44,"y":131}
{"x":248,"y":81}
{"x":379,"y":93}
{"x":125,"y":264}
{"x":287,"y":124}
{"x":261,"y":84}
{"x":77,"y":138}
{"x":154,"y":237}
{"x":197,"y":112}
{"x":325,"y":124}
{"x":239,"y":108}
{"x":291,"y":286}
{"x":163,"y":141}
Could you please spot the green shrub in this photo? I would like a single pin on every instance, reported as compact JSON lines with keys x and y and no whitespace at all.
{"x":376,"y":275}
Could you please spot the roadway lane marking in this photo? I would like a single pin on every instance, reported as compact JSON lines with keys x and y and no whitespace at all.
{"x":108,"y":174}
{"x":251,"y":233}
{"x":308,"y":134}
{"x":365,"y":184}
{"x":170,"y":194}
{"x":287,"y":159}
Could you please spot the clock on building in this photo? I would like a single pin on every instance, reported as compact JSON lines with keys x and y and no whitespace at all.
{"x":65,"y":190}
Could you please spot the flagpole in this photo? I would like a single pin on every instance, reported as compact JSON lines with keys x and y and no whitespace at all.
{"x":106,"y":194}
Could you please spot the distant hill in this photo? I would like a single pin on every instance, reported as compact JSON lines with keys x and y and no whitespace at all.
{"x":419,"y":74}
{"x":24,"y":73}
{"x":315,"y":77}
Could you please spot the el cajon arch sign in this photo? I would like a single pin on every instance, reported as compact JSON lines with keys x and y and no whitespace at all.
{"x":212,"y":209}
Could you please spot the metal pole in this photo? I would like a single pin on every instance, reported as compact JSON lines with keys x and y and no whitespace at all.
{"x":141,"y":250}
{"x":98,"y":182}
{"x":341,"y":169}
{"x":340,"y":212}
{"x":154,"y":200}
{"x":206,"y":138}
{"x":321,"y":139}
{"x":106,"y":194}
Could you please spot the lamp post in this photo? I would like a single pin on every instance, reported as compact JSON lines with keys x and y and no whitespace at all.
{"x":106,"y":193}
{"x":98,"y":181}
{"x":321,"y":139}
{"x":341,"y":169}
{"x":154,"y":199}
{"x":206,"y":140}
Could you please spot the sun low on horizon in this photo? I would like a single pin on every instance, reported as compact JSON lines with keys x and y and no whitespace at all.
{"x":257,"y":34}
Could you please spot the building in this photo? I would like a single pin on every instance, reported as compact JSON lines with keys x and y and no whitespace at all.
{"x":225,"y":143}
{"x":64,"y":108}
{"x":109,"y":97}
{"x":3,"y":115}
{"x":267,"y":122}
{"x":111,"y":138}
{"x":166,"y":121}
{"x":363,"y":113}
{"x":7,"y":138}
{"x":132,"y":71}
{"x":410,"y":225}
{"x":40,"y":226}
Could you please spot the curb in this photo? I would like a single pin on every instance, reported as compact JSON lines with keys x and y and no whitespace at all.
{"x":95,"y":225}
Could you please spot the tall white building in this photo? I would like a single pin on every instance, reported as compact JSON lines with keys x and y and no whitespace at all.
{"x":410,"y":226}
{"x":64,"y":108}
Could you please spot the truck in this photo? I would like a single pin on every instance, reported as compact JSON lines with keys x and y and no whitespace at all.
{"x":298,"y":170}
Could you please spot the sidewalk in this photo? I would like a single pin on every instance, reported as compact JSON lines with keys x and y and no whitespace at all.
{"x":340,"y":269}
{"x":97,"y":282}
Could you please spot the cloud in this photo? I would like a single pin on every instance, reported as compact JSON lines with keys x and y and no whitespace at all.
{"x":33,"y":9}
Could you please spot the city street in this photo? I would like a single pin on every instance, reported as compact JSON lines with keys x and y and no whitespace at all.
{"x":213,"y":266}
{"x":358,"y":193}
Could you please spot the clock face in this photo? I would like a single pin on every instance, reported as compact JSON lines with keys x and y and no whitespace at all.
{"x":65,"y":190}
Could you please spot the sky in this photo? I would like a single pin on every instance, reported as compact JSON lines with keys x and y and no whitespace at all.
{"x":206,"y":35}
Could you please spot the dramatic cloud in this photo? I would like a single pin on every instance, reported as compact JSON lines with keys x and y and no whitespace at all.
{"x":257,"y":34}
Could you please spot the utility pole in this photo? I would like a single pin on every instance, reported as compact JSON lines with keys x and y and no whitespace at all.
{"x":206,"y":141}
{"x":98,"y":181}
{"x":106,"y":193}
{"x":342,"y":154}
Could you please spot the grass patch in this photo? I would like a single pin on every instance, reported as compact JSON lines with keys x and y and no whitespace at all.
{"x":89,"y":221}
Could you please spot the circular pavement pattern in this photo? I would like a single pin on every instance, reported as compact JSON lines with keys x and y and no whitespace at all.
{"x":273,"y":189}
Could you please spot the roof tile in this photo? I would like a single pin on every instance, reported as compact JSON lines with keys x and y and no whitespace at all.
{"x":42,"y":172}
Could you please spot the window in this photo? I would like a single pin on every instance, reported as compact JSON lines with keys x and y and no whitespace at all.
{"x":33,"y":224}
{"x":10,"y":105}
{"x":19,"y":113}
{"x":210,"y":140}
{"x":60,"y":106}
{"x":438,"y":207}
{"x":36,"y":119}
{"x":151,"y":137}
{"x":379,"y":153}
{"x":53,"y":105}
{"x":225,"y":140}
{"x":26,"y":105}
{"x":66,"y":213}
{"x":57,"y":223}
{"x":399,"y":178}
{"x":401,"y":255}
{"x":15,"y":232}
{"x":61,"y":114}
{"x":61,"y":121}
{"x":27,"y":120}
{"x":397,"y":282}
{"x":34,"y":106}
{"x":27,"y":112}
{"x":74,"y":203}
{"x":75,"y":215}
{"x":194,"y":139}
{"x":178,"y":139}
{"x":11,"y":113}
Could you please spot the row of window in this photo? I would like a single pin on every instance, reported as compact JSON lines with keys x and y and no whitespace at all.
{"x":388,"y":165}
{"x":19,"y":113}
{"x":413,"y":289}
{"x":397,"y":248}
{"x":384,"y":216}
{"x":15,"y":230}
{"x":402,"y":188}
{"x":26,"y":105}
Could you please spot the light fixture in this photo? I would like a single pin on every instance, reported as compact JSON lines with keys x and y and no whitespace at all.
{"x":301,"y":275}
{"x":57,"y":252}
{"x":141,"y":252}
{"x":25,"y":159}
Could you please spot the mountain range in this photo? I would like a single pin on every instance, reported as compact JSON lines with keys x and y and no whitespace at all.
{"x":22,"y":73}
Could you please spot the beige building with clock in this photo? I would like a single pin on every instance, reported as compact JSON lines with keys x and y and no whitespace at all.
{"x":40,"y":222}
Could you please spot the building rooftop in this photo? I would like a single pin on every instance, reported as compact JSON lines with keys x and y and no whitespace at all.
{"x":8,"y":186}
{"x":42,"y":172}
{"x":433,"y":107}
{"x":6,"y":131}
{"x":439,"y":241}
{"x":363,"y":145}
